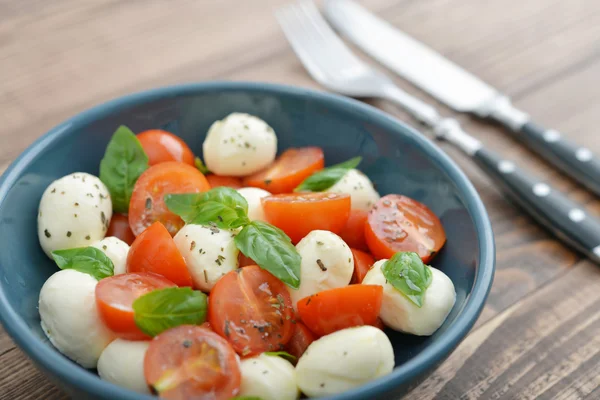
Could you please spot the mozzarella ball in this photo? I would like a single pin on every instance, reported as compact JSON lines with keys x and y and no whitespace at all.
{"x":360,"y":188}
{"x":268,"y":378}
{"x":239,"y":145}
{"x":74,"y":212}
{"x":344,"y":360}
{"x":327,"y":263}
{"x":253,"y":196}
{"x":116,"y":250}
{"x":122,"y":363}
{"x":209,"y":253}
{"x":70,"y":318}
{"x":401,"y":314}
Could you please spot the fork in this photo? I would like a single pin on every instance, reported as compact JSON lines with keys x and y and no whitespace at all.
{"x":332,"y":64}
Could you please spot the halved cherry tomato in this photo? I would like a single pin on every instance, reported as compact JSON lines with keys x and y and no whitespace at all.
{"x":115,"y":296}
{"x":219,"y":180}
{"x":119,"y":227}
{"x":191,"y":362}
{"x":399,"y":223}
{"x":162,"y":146}
{"x":244,"y":261}
{"x":301,"y":339}
{"x":289,"y":170}
{"x":362,"y":264}
{"x":155,"y":251}
{"x":252,"y":309}
{"x":147,"y":203}
{"x":335,"y":309}
{"x":353,"y":232}
{"x":299,"y":213}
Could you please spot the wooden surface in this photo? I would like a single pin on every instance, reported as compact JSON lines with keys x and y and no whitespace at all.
{"x":539,"y":335}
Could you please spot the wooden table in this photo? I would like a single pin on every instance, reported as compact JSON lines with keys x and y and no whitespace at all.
{"x":539,"y":335}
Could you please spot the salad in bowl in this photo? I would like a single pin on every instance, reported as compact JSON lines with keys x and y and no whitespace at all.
{"x":246,"y":275}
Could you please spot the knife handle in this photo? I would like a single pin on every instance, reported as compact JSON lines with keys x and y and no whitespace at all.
{"x":576,"y":161}
{"x":563,"y":217}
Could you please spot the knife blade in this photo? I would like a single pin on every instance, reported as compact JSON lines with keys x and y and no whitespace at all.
{"x":457,"y":88}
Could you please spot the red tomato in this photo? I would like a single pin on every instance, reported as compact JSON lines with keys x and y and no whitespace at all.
{"x":251,"y":309}
{"x":379,"y":324}
{"x":147,"y":203}
{"x":162,"y":146}
{"x":229,"y":181}
{"x":301,"y":339}
{"x":289,"y":170}
{"x":191,"y":362}
{"x":119,"y":227}
{"x":155,"y":251}
{"x":115,"y":296}
{"x":353,"y":232}
{"x":244,"y":261}
{"x":299,"y":213}
{"x":399,"y":223}
{"x":362,"y":264}
{"x":335,"y":309}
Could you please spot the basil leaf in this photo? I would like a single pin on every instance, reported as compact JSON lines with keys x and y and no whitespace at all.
{"x":123,"y":163}
{"x":162,"y":309}
{"x":201,"y":166}
{"x":283,"y":354}
{"x":272,"y":250}
{"x":89,"y":260}
{"x":326,"y":178}
{"x":407,"y":274}
{"x":223,"y":206}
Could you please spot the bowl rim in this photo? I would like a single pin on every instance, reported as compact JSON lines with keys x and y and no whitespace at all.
{"x":86,"y":381}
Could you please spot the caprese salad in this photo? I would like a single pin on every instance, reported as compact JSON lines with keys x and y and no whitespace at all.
{"x":248,"y":275}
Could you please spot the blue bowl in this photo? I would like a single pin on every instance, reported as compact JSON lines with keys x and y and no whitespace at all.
{"x":395,"y":156}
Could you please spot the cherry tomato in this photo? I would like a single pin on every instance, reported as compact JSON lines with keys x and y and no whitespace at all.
{"x":251,"y":309}
{"x":301,"y":339}
{"x":399,"y":223}
{"x":119,"y":227}
{"x":115,"y":296}
{"x":147,"y":203}
{"x":162,"y":146}
{"x":353,"y":232}
{"x":379,"y":324}
{"x":362,"y":264}
{"x":155,"y":251}
{"x":219,"y":180}
{"x":299,"y":213}
{"x":244,"y":261}
{"x":335,"y":309}
{"x":289,"y":170}
{"x":191,"y":362}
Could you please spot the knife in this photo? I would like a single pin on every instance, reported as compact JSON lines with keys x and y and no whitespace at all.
{"x":457,"y":88}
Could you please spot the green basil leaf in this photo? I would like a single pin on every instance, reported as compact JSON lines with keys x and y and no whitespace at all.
{"x":283,"y":354}
{"x":89,"y":260}
{"x":272,"y":250}
{"x":123,"y":163}
{"x":162,"y":309}
{"x":407,"y":274}
{"x":201,"y":166}
{"x":223,"y":206}
{"x":326,"y":178}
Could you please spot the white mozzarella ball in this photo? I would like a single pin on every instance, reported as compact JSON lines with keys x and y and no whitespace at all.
{"x":74,"y":211}
{"x":327,"y":263}
{"x":238,"y":145}
{"x":401,"y":314}
{"x":268,"y":378}
{"x":209,"y":253}
{"x":70,"y":318}
{"x":255,"y":208}
{"x":344,"y":360}
{"x":122,"y":363}
{"x":116,"y":250}
{"x":360,"y":188}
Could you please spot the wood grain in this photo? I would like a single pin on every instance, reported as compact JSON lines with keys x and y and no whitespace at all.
{"x":537,"y":335}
